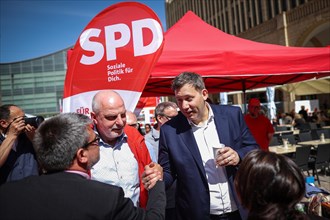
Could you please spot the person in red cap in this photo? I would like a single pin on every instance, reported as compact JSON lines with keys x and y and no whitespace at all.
{"x":259,"y":125}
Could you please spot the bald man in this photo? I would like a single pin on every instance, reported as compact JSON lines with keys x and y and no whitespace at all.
{"x":131,"y":120}
{"x":123,"y":152}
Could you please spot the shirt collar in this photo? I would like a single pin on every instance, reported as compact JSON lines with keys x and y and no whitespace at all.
{"x":205,"y":123}
{"x":120,"y":139}
{"x":154,"y":134}
{"x":83,"y":174}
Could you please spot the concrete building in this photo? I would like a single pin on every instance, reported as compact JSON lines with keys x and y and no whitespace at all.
{"x":307,"y":21}
{"x":303,"y":23}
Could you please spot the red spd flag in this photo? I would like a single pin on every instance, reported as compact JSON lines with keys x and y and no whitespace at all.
{"x":117,"y":50}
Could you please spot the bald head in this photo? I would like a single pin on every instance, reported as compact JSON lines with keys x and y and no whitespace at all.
{"x":109,"y":115}
{"x":131,"y":118}
{"x":106,"y":98}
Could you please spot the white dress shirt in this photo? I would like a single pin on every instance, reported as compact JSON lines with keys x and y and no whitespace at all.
{"x":206,"y":137}
{"x":118,"y":166}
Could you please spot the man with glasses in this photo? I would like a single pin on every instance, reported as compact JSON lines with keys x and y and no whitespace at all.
{"x":17,"y":156}
{"x":259,"y":125}
{"x":67,"y":148}
{"x":164,"y":112}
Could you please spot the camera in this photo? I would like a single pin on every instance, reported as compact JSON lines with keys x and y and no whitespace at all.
{"x":34,"y":121}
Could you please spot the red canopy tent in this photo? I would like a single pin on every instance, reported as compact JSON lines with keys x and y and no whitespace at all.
{"x":229,"y":63}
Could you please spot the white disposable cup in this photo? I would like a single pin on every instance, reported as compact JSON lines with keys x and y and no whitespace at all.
{"x":285,"y":143}
{"x":216,"y":149}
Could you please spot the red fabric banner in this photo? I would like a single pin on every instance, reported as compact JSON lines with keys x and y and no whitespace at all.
{"x":117,"y":50}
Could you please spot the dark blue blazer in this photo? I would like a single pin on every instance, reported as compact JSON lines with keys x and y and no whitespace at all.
{"x":180,"y":158}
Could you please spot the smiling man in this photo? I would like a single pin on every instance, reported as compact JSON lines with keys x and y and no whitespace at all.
{"x":123,"y":152}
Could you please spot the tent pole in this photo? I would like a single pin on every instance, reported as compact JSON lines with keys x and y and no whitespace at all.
{"x":244,"y":96}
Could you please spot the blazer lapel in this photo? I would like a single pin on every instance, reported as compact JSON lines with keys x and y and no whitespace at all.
{"x":188,"y":138}
{"x":222,"y":125}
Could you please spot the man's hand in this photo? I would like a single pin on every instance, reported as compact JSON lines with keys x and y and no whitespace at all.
{"x":16,"y":127}
{"x":30,"y":131}
{"x":152,"y":173}
{"x":226,"y":156}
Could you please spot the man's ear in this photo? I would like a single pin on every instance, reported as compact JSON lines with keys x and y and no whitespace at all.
{"x":205,"y":94}
{"x":82,"y":155}
{"x":3,"y":123}
{"x":93,"y":117}
{"x":158,"y":117}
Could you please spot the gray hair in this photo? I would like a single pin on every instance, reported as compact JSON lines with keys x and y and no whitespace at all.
{"x":190,"y":78}
{"x":160,"y":108}
{"x":58,"y":139}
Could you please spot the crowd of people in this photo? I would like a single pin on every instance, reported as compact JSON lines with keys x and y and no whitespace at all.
{"x":303,"y":117}
{"x":198,"y":161}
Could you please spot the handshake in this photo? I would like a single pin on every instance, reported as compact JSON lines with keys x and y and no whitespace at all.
{"x":153,"y":172}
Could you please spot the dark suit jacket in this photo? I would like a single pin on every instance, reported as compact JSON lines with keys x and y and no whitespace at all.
{"x":179,"y":156}
{"x":68,"y":196}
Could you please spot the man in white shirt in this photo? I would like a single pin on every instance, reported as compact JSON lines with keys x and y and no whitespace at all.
{"x":123,"y":153}
{"x":205,"y":187}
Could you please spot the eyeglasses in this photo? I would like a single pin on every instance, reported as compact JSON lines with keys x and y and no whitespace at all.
{"x":136,"y":125}
{"x":95,"y":141}
{"x":168,"y":117}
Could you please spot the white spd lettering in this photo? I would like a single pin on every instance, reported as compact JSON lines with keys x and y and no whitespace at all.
{"x":156,"y":30}
{"x":111,"y":43}
{"x":94,"y":46}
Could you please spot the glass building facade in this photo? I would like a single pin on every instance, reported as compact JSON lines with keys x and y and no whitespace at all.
{"x":35,"y":85}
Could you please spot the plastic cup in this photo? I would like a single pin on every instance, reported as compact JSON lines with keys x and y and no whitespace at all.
{"x":216,"y":149}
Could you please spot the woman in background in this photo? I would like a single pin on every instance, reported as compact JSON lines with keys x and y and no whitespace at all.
{"x":147,"y":128}
{"x":269,"y":185}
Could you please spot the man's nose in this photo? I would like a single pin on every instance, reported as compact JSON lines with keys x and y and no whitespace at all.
{"x":119,"y":120}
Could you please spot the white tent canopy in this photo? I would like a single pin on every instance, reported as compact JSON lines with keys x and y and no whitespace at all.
{"x":309,"y":87}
